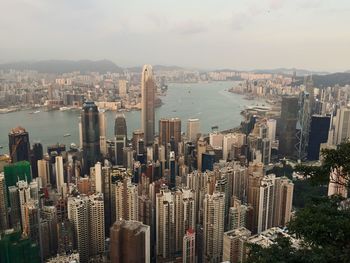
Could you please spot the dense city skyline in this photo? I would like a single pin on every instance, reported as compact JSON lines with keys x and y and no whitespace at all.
{"x":198,"y":34}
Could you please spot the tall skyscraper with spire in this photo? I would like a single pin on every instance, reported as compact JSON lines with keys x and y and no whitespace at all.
{"x":148,"y":90}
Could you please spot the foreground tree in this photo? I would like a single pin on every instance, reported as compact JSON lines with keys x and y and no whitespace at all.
{"x":323,"y":224}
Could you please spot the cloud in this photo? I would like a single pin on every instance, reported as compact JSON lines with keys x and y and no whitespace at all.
{"x":190,"y":27}
{"x":239,"y":21}
{"x":277,"y":4}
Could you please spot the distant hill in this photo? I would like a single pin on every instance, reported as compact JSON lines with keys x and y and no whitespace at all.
{"x":64,"y":66}
{"x":290,"y":71}
{"x":330,"y":80}
{"x":155,"y":68}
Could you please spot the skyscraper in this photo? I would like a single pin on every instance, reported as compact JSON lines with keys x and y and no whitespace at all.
{"x":235,"y":245}
{"x":193,"y":129}
{"x":148,"y":90}
{"x":91,"y":135}
{"x":19,"y":145}
{"x":213,"y":226}
{"x":130,"y":242}
{"x":59,"y":173}
{"x":103,"y":131}
{"x":288,"y":125}
{"x":3,"y":204}
{"x":189,"y":247}
{"x":318,"y":134}
{"x":168,"y":129}
{"x":120,"y":132}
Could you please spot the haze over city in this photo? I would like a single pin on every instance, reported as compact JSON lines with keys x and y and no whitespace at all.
{"x":253,"y":34}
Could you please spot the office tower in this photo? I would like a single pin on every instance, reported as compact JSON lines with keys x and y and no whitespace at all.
{"x":49,"y":215}
{"x":238,"y":215}
{"x":103,"y":132}
{"x":213,"y":226}
{"x":342,"y":125}
{"x":287,"y":126}
{"x":34,"y":190}
{"x":4,"y":224}
{"x":272,"y":125}
{"x":283,"y":201}
{"x":201,"y":148}
{"x":148,"y":90}
{"x":19,"y":145}
{"x":91,"y":135}
{"x":189,"y":247}
{"x":126,"y":199}
{"x":318,"y":134}
{"x":59,"y":173}
{"x":96,"y":224}
{"x":36,"y":156}
{"x":230,"y":140}
{"x":78,"y":215}
{"x":165,"y":224}
{"x":130,"y":242}
{"x":235,"y":245}
{"x":303,"y":124}
{"x":123,"y":90}
{"x":168,"y":129}
{"x":44,"y":172}
{"x":137,"y":135}
{"x":208,"y":160}
{"x":99,"y":178}
{"x":193,"y":129}
{"x":16,"y":248}
{"x":128,"y":157}
{"x":172,"y":169}
{"x":120,"y":133}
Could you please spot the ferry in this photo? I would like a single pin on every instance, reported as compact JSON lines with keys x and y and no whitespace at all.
{"x":66,"y":135}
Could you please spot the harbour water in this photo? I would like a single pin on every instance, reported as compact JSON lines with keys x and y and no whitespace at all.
{"x":209,"y":102}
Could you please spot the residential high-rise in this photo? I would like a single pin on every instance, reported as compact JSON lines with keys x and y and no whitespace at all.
{"x":130,"y":242}
{"x":123,"y":87}
{"x":126,"y":199}
{"x":24,"y":197}
{"x":19,"y":145}
{"x":189,"y":247}
{"x":91,"y":135}
{"x":237,"y":215}
{"x":165,"y":224}
{"x":44,"y":172}
{"x":283,"y":201}
{"x":235,"y":245}
{"x":3,"y":204}
{"x":59,"y":173}
{"x":120,"y":132}
{"x":148,"y":90}
{"x":96,"y":224}
{"x":103,"y":132}
{"x":193,"y":129}
{"x":213,"y":226}
{"x":78,"y":215}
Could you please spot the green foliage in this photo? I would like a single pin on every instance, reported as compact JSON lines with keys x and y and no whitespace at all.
{"x":324,"y":229}
{"x":331,"y":159}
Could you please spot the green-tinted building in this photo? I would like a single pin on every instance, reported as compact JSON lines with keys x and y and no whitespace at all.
{"x":15,"y":249}
{"x":17,"y":171}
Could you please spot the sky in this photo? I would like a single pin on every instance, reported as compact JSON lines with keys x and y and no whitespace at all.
{"x":206,"y":34}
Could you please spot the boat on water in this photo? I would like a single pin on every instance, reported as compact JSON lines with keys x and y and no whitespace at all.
{"x":66,"y":135}
{"x":1,"y":147}
{"x":34,"y":112}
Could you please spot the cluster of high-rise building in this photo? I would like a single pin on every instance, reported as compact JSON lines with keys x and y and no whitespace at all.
{"x":160,"y":196}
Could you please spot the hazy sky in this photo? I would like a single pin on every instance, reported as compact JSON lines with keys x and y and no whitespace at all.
{"x":240,"y":34}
